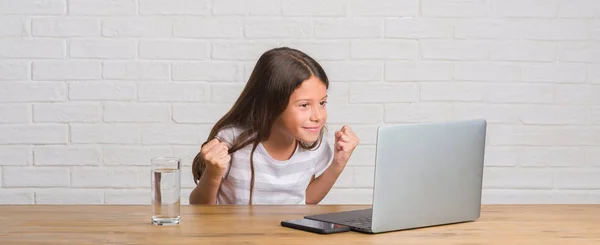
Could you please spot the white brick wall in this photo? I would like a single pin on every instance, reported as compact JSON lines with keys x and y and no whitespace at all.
{"x":91,"y":90}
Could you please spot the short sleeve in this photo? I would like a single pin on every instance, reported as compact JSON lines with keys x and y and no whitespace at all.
{"x":324,"y":154}
{"x":227,"y":135}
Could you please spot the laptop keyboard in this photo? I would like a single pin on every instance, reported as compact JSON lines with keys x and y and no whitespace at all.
{"x":360,"y":222}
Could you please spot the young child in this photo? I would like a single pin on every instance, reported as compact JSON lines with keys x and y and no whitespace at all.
{"x":270,"y":147}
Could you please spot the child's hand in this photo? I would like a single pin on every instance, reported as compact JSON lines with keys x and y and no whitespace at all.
{"x":345,"y":143}
{"x":216,"y":157}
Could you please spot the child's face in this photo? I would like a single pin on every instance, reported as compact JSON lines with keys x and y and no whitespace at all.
{"x":306,"y":111}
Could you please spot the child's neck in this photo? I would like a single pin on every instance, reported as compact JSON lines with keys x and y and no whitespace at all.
{"x":279,"y":146}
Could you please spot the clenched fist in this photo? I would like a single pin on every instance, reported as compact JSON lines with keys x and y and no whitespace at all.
{"x":216,"y":157}
{"x":345,"y":143}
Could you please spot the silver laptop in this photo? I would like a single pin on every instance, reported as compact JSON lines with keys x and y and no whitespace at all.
{"x":426,"y":174}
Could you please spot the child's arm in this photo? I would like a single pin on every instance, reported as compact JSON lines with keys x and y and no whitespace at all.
{"x":216,"y":158}
{"x":319,"y":187}
{"x":345,"y":143}
{"x":206,"y":190}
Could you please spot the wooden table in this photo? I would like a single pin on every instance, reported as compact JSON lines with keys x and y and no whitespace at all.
{"x":499,"y":224}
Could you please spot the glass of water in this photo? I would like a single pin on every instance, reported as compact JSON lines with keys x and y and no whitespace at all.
{"x":166,"y":188}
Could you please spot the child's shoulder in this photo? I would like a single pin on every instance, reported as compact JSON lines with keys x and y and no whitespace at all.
{"x":229,"y":133}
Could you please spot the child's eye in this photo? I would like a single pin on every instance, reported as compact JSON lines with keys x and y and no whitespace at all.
{"x":323,"y":102}
{"x":304,"y":105}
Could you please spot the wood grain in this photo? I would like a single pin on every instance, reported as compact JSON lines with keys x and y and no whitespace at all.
{"x":105,"y":224}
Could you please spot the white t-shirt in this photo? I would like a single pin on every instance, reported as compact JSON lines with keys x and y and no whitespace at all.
{"x":275,"y":182}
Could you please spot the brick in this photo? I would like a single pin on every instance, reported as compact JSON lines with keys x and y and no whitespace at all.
{"x":363,"y":155}
{"x":67,"y":112}
{"x":187,"y":179}
{"x":133,"y":155}
{"x":383,"y":92}
{"x":349,"y":196}
{"x":532,"y":178}
{"x":592,"y":157}
{"x":16,"y":197}
{"x":135,"y":70}
{"x":69,"y":196}
{"x":206,"y":71}
{"x":418,"y":28}
{"x":519,"y":135}
{"x":418,"y":71}
{"x":579,"y":52}
{"x":102,"y":90}
{"x":65,"y":27}
{"x":66,"y":70}
{"x":533,"y":156}
{"x":137,"y":112}
{"x":565,"y":115}
{"x":364,"y":176}
{"x":137,"y":27}
{"x":14,"y":26}
{"x":454,"y":49}
{"x":32,"y":91}
{"x":175,"y":50}
{"x":384,"y":50}
{"x":576,"y":135}
{"x":452,"y":91}
{"x":524,"y":8}
{"x":103,"y":7}
{"x":337,"y":93}
{"x":595,"y":115}
{"x":555,"y":29}
{"x":519,"y":93}
{"x":523,"y":51}
{"x":225,"y":93}
{"x":66,"y":156}
{"x":493,"y":113}
{"x":15,"y":113}
{"x":454,"y":8}
{"x":14,"y":70}
{"x":121,"y":177}
{"x":348,"y":28}
{"x":579,"y":9}
{"x":33,"y":7}
{"x":247,"y":7}
{"x":103,"y":49}
{"x":313,"y":8}
{"x":356,"y":113}
{"x":582,"y":178}
{"x":354,"y":71}
{"x":240,"y":50}
{"x":105,"y":134}
{"x":345,"y":180}
{"x":199,"y":113}
{"x":394,"y":8}
{"x":15,"y":156}
{"x":175,"y":134}
{"x":217,"y":27}
{"x":127,"y":197}
{"x":487,"y":71}
{"x":174,"y":7}
{"x":594,"y":74}
{"x":33,"y":48}
{"x":488,"y":29}
{"x":575,"y":94}
{"x":35,"y":177}
{"x":277,"y":28}
{"x":417,"y":113}
{"x":517,"y":196}
{"x":557,"y":73}
{"x":321,"y":50}
{"x":174,"y":92}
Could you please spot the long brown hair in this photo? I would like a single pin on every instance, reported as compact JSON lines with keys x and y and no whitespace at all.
{"x":277,"y":73}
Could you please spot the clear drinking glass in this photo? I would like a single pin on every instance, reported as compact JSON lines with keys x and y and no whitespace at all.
{"x":166,"y":189}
